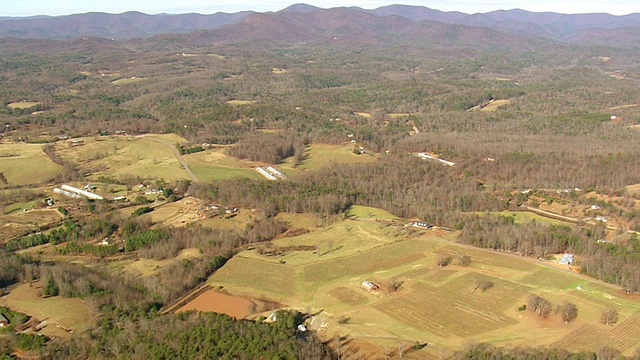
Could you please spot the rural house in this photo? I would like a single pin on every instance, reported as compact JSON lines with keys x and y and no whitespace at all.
{"x":566,"y":259}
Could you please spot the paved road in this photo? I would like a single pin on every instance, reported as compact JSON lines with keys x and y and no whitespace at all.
{"x":181,"y":160}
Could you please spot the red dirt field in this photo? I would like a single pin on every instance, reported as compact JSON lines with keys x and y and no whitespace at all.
{"x":215,"y":301}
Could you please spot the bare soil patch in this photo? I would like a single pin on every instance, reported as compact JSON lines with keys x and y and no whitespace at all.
{"x":215,"y":301}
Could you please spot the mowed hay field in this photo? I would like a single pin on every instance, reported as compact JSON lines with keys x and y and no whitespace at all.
{"x":432,"y":304}
{"x":26,"y":164}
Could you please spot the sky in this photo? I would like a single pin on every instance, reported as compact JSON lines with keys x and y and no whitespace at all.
{"x":65,"y":7}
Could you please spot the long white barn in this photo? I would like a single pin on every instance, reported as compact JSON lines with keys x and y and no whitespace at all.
{"x":88,"y":195}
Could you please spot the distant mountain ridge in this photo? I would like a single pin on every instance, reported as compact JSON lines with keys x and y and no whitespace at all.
{"x":301,"y":22}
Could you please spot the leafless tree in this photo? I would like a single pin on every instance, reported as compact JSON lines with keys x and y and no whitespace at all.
{"x":609,"y":316}
{"x":483,"y":285}
{"x":607,"y":353}
{"x":464,"y":260}
{"x":401,"y":346}
{"x":444,"y":260}
{"x":568,"y":311}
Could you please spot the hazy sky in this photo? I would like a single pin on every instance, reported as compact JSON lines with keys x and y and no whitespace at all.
{"x":64,"y":7}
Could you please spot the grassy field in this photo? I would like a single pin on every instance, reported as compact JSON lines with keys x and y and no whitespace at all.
{"x":148,"y":267}
{"x":23,"y":206}
{"x":362,"y":114}
{"x":433,"y":304}
{"x":494,"y":105}
{"x":320,"y":155}
{"x":240,"y":102}
{"x":214,"y":164}
{"x":455,"y":309}
{"x":357,"y":211}
{"x":401,"y":115}
{"x":70,"y":313}
{"x":15,"y":158}
{"x":127,"y":156}
{"x":521,"y":217}
{"x":128,"y":80}
{"x":250,"y":273}
{"x":23,"y":104}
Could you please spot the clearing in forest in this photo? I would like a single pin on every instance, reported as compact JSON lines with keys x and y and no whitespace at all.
{"x":130,"y":80}
{"x":240,"y":102}
{"x":63,"y":316}
{"x":319,"y":155}
{"x":23,"y":104}
{"x":495,"y":104}
{"x":362,"y":114}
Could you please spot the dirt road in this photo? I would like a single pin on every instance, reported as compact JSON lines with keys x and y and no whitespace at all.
{"x":181,"y":160}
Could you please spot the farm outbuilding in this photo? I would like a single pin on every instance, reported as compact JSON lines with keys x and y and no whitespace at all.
{"x":369,"y":285}
{"x":4,"y":322}
{"x":422,"y":224}
{"x":80,"y":192}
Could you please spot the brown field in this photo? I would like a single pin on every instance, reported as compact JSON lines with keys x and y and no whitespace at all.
{"x":215,"y":301}
{"x":179,"y":213}
{"x":72,"y":314}
{"x":17,"y":223}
